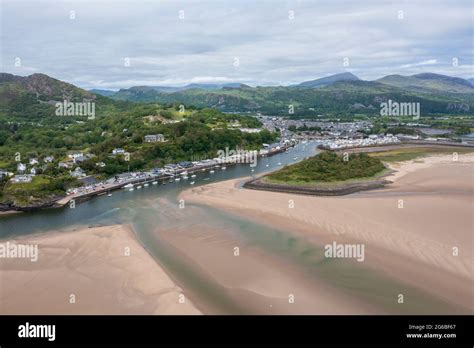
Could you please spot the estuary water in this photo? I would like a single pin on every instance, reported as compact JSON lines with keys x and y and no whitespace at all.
{"x":195,"y":244}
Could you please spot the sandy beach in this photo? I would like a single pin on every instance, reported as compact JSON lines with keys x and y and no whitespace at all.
{"x":255,"y":282}
{"x":100,"y":270}
{"x":409,"y":228}
{"x":9,"y":212}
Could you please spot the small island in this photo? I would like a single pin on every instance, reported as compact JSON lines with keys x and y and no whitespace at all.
{"x":326,"y":174}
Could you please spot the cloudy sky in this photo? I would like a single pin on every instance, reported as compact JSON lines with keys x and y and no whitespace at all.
{"x":116,"y":44}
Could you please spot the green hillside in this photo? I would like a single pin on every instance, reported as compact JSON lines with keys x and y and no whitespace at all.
{"x":30,"y":128}
{"x":429,"y":82}
{"x":334,"y":99}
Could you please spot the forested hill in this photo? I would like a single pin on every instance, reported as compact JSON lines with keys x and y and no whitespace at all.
{"x":339,"y":94}
{"x":30,"y":126}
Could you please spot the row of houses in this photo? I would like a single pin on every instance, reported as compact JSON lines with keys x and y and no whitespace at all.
{"x":74,"y":158}
{"x":21,"y":167}
{"x":371,"y":140}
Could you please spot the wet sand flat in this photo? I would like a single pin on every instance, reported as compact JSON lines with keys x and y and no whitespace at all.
{"x":409,"y":228}
{"x":105,"y":268}
{"x":254,"y":280}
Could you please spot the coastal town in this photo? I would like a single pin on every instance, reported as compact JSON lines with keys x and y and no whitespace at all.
{"x":328,"y":135}
{"x":307,"y":165}
{"x":173,"y":172}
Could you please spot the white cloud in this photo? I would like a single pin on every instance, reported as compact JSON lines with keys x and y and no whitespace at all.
{"x":425,"y":62}
{"x":271,"y":47}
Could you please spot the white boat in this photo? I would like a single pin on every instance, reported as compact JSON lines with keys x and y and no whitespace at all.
{"x":267,"y":165}
{"x":131,"y":189}
{"x":147,"y":184}
{"x":154,"y":182}
{"x":224,"y":168}
{"x":177,"y":179}
{"x":192,"y":182}
{"x":211,"y":171}
{"x":185,"y":178}
{"x":128,"y":186}
{"x":139,"y":187}
{"x":184,"y":173}
{"x":109,"y":195}
{"x":253,"y":170}
{"x":295,"y":158}
{"x":193,"y":176}
{"x":279,"y":163}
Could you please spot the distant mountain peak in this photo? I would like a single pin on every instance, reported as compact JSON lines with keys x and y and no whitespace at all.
{"x":345,"y":76}
{"x":46,"y":88}
{"x":429,"y":82}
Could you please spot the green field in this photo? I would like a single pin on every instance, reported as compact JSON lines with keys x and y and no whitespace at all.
{"x":406,"y":154}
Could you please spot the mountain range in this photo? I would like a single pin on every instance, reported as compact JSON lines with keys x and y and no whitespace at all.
{"x":340,"y":93}
{"x":332,"y":95}
{"x":429,"y":82}
{"x":424,"y":81}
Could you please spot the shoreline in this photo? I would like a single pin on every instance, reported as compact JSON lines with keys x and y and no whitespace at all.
{"x":61,"y":202}
{"x":351,"y":186}
{"x":106,"y":269}
{"x":339,"y":189}
{"x":407,"y":244}
{"x":10,"y":212}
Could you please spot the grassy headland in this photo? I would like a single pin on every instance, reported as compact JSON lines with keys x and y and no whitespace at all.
{"x":329,"y":168}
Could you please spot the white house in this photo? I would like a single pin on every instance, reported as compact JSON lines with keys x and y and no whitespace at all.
{"x":48,"y":159}
{"x":33,"y":161}
{"x":118,"y":151}
{"x":33,"y":171}
{"x":153,"y":138}
{"x":78,"y":173}
{"x":79,"y":159}
{"x":21,"y":167}
{"x":63,"y":165}
{"x":21,"y":179}
{"x":250,"y":130}
{"x":75,"y":155}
